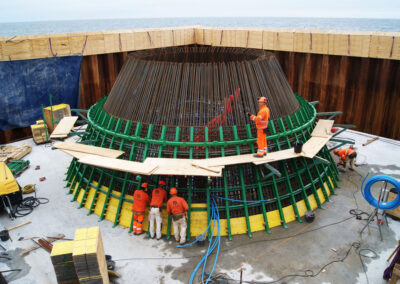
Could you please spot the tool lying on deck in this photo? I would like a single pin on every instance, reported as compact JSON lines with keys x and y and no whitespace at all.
{"x":5,"y":235}
{"x":49,"y":240}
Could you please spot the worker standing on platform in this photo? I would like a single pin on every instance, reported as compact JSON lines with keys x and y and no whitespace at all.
{"x":261,"y":120}
{"x":346,"y":155}
{"x":177,"y":207}
{"x":158,"y":197}
{"x":140,"y":200}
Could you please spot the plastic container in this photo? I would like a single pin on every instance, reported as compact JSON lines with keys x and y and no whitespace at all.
{"x":310,"y":216}
{"x":201,"y":240}
{"x":298,"y":146}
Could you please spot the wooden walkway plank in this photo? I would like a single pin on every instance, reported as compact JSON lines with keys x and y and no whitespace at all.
{"x":87,"y":149}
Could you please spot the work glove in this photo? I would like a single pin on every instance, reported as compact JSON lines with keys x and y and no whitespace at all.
{"x":248,"y":114}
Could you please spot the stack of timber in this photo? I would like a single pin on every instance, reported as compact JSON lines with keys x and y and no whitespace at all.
{"x":64,"y":127}
{"x":61,"y":258}
{"x":39,"y":132}
{"x":8,"y":153}
{"x":88,"y":256}
{"x":54,"y":114}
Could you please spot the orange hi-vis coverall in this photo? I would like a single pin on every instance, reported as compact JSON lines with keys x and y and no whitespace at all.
{"x":261,"y":120}
{"x":140,"y":199}
{"x":346,"y":154}
{"x":177,"y":206}
{"x":158,"y":196}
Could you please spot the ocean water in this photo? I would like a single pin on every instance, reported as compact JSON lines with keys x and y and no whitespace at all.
{"x":31,"y":28}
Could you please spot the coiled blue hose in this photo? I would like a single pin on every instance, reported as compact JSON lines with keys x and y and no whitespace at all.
{"x":366,"y":192}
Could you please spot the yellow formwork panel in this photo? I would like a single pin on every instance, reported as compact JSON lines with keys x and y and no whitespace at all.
{"x":313,"y":202}
{"x":126,"y":213}
{"x":90,"y":197}
{"x":112,"y":207}
{"x":301,"y":206}
{"x":80,"y":196}
{"x":289,"y":214}
{"x":274,"y":218}
{"x":238,"y":226}
{"x":199,"y":218}
{"x":321,"y":195}
{"x":74,"y":189}
{"x":101,"y":197}
{"x":257,"y":223}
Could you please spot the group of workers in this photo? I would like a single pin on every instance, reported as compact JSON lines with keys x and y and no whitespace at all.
{"x":176,"y":206}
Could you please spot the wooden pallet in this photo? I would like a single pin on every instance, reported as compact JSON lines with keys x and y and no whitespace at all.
{"x":14,"y":152}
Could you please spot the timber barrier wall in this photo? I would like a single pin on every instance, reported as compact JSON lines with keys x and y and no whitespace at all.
{"x":353,"y":72}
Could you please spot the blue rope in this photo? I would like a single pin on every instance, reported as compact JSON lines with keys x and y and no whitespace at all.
{"x":242,"y":201}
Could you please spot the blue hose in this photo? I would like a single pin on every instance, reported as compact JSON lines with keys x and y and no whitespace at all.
{"x":212,"y":244}
{"x":366,"y":192}
{"x":240,"y":201}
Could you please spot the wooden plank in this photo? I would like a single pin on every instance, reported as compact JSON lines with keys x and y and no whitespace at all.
{"x":105,"y":152}
{"x":74,"y":154}
{"x":247,"y":158}
{"x":118,"y":164}
{"x":323,"y":128}
{"x":182,"y":167}
{"x":64,"y":126}
{"x":370,"y":141}
{"x":314,"y":145}
{"x":277,"y":156}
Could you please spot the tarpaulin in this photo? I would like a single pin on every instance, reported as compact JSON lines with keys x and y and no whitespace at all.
{"x":26,"y":84}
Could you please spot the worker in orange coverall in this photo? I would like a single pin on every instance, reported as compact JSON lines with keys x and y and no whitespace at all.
{"x":158,"y":197}
{"x":261,"y":120}
{"x":140,"y":200}
{"x":177,"y":207}
{"x":346,"y":155}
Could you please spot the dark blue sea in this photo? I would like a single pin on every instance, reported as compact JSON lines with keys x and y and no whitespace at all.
{"x":30,"y":28}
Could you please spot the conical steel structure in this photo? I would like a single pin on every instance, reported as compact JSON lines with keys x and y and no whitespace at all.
{"x":191,"y":103}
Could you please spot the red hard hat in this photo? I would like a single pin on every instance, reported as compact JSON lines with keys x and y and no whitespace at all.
{"x":173,"y":191}
{"x":145,"y":185}
{"x":161,"y":182}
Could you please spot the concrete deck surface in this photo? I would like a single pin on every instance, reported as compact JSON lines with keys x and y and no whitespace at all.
{"x":263,"y":258}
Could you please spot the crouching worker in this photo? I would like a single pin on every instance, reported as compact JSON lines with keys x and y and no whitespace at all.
{"x":140,"y":200}
{"x":346,"y":155}
{"x":158,"y":197}
{"x":177,"y":207}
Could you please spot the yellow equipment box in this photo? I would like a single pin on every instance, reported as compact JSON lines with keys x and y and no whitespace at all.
{"x":55,"y":114}
{"x":8,"y":184}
